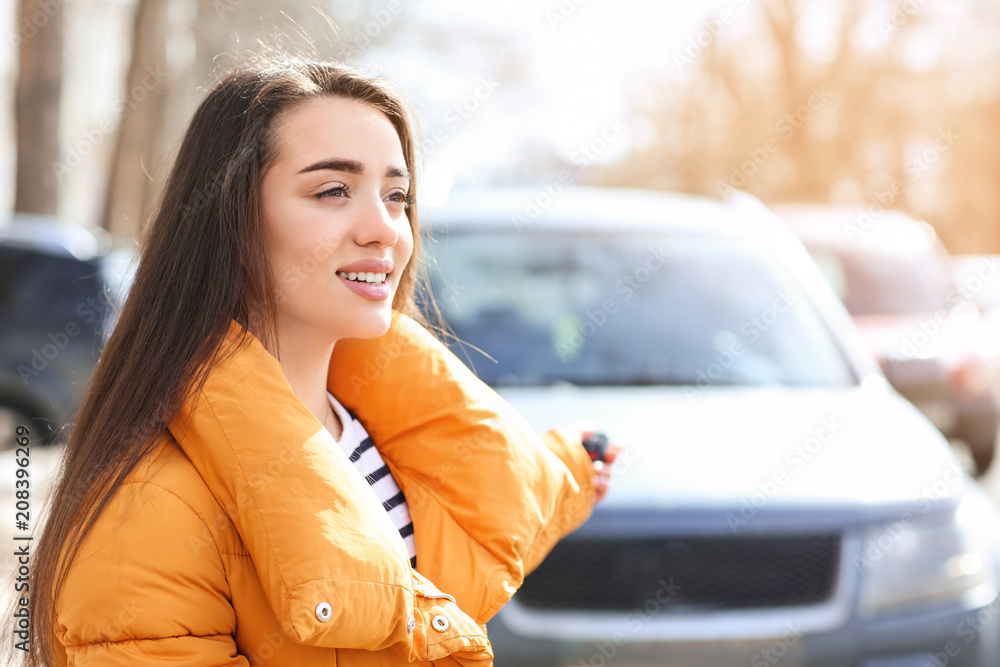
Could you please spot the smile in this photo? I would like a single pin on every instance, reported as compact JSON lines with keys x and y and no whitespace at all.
{"x":369,"y":277}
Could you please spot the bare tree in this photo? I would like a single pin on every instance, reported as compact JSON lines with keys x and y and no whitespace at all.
{"x":130,"y":189}
{"x":851,"y":116}
{"x":39,"y":84}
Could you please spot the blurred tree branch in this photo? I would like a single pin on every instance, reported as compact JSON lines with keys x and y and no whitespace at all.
{"x":841,"y":101}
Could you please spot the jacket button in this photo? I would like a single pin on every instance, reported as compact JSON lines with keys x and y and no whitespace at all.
{"x":440,"y":623}
{"x":411,"y":623}
{"x":324,"y":612}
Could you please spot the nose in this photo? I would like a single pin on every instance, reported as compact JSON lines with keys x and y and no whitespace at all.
{"x":376,"y":225}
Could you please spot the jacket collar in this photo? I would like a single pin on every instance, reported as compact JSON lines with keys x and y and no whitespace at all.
{"x":300,"y":508}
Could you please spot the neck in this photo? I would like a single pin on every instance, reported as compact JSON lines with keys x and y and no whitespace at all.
{"x":305,"y":358}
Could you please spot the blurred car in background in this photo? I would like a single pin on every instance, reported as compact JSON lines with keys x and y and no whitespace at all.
{"x":978,"y":279}
{"x":898,"y":282}
{"x":60,"y":285}
{"x":777,"y":501}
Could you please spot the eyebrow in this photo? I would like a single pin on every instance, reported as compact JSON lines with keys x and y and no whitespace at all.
{"x":352,"y":167}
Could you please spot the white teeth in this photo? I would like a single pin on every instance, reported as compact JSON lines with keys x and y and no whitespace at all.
{"x":366,"y":277}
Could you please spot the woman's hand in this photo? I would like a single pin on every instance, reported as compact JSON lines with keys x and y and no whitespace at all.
{"x":602,"y":470}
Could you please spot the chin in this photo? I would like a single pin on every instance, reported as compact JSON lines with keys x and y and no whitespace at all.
{"x":371,"y":326}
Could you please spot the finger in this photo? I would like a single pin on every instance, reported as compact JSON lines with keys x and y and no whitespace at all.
{"x":599,"y":492}
{"x":612,"y":452}
{"x":601,"y":488}
{"x":602,"y":479}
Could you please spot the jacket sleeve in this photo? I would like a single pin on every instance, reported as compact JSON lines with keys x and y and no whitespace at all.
{"x":575,"y":503}
{"x":140,"y":592}
{"x":489,"y":496}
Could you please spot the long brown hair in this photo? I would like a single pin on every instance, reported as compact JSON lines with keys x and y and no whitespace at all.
{"x":203,"y":264}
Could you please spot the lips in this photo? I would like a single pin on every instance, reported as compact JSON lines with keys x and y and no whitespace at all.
{"x":367,"y":278}
{"x":368,"y":266}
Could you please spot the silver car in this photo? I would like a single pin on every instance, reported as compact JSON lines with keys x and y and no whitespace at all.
{"x":777,"y":502}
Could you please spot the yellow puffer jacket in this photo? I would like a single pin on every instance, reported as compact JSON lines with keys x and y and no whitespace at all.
{"x":245,"y":539}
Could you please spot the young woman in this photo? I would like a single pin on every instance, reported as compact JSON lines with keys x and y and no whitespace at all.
{"x":276,"y":464}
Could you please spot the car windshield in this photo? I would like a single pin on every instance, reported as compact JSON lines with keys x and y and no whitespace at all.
{"x":629,"y":309}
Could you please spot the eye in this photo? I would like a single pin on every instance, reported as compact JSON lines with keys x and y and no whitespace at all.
{"x":338,"y":191}
{"x":401,"y":197}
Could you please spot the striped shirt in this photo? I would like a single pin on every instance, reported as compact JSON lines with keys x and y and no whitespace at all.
{"x":361,"y":451}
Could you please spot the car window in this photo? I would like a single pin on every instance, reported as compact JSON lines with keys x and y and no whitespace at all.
{"x":879,"y":283}
{"x":629,"y":309}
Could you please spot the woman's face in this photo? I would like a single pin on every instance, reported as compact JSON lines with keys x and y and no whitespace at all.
{"x":334,"y":210}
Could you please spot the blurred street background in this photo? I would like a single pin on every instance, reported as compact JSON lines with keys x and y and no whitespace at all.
{"x":866,"y":104}
{"x":873,"y":112}
{"x":787,"y":99}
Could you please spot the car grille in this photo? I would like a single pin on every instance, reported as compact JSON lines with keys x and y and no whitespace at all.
{"x":711,"y":573}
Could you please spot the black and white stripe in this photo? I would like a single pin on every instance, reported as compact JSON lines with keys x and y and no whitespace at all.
{"x":361,"y":451}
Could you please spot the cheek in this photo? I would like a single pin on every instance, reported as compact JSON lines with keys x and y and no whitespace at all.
{"x":298,"y":242}
{"x":272,"y":213}
{"x":285,"y":256}
{"x":295,"y":260}
{"x":405,"y":244}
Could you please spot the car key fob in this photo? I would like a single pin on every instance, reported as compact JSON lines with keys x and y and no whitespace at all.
{"x":597,"y":446}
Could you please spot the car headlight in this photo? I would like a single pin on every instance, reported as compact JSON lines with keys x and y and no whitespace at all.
{"x":927,"y":557}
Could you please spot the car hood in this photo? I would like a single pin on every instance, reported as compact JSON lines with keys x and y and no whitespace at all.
{"x":690,"y":447}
